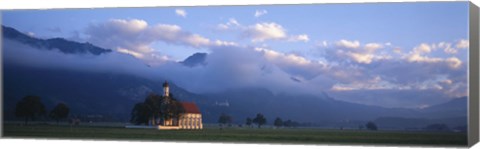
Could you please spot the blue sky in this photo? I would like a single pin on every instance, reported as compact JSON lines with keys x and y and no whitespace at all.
{"x":404,"y":24}
{"x":344,"y":47}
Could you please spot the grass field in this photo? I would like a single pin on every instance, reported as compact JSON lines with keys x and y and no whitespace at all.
{"x":253,"y":135}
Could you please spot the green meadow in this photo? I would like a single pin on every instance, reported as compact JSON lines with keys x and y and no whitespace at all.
{"x":237,"y":134}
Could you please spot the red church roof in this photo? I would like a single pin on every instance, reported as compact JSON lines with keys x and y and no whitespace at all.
{"x":190,"y":107}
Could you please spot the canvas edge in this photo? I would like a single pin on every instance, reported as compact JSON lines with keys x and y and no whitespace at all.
{"x":473,"y":93}
{"x":473,"y":67}
{"x":1,"y":78}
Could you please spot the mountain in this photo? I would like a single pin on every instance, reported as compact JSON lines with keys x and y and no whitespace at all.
{"x":452,"y":113}
{"x":113,"y":95}
{"x":86,"y":93}
{"x":197,"y":59}
{"x":65,"y":46}
{"x":453,"y":108}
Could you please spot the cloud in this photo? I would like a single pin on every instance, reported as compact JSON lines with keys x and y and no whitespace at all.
{"x":372,"y":47}
{"x":302,"y":37}
{"x":135,"y":37}
{"x":393,"y":98}
{"x":265,"y":31}
{"x":259,"y":13}
{"x":181,"y":12}
{"x":378,"y":83}
{"x":232,"y":66}
{"x":113,"y":62}
{"x":173,"y":34}
{"x":397,"y":50}
{"x":237,"y":67}
{"x":419,"y":55}
{"x":232,"y":22}
{"x":376,"y":68}
{"x":294,"y":65}
{"x":462,"y":44}
{"x":353,"y":51}
{"x":31,"y":34}
{"x":346,"y":69}
{"x":375,"y":83}
{"x":261,"y":32}
{"x":348,"y":44}
{"x":130,"y":52}
{"x":399,"y":83}
{"x":422,"y":48}
{"x":452,"y":62}
{"x":447,"y":48}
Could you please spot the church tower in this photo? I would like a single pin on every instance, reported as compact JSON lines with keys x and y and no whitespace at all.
{"x":166,"y":91}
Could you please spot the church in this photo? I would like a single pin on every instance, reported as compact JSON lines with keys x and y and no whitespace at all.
{"x":189,"y":118}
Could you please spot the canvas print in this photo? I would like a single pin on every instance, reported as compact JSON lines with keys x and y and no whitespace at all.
{"x":365,"y":73}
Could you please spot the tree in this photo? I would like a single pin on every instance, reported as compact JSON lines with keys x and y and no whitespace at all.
{"x":154,"y":108}
{"x":140,"y":114}
{"x":259,"y":120}
{"x":60,"y":111}
{"x":224,"y":119}
{"x":153,"y":105}
{"x":278,"y":122}
{"x":29,"y":108}
{"x":371,"y":126}
{"x":290,"y":123}
{"x":248,"y":122}
{"x":170,"y":108}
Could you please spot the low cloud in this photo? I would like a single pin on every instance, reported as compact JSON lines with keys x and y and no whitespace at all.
{"x":353,"y":51}
{"x":259,"y":13}
{"x":348,"y":44}
{"x":422,"y":49}
{"x":265,"y":31}
{"x":377,"y":67}
{"x":261,"y":32}
{"x":462,"y":44}
{"x":346,"y":69}
{"x":232,"y":23}
{"x":181,"y":12}
{"x":229,"y":66}
{"x":296,"y":66}
{"x":21,"y":54}
{"x":303,"y":37}
{"x":419,"y":54}
{"x":135,"y":37}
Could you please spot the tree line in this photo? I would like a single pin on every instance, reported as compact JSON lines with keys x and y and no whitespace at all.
{"x":31,"y":107}
{"x":259,"y":120}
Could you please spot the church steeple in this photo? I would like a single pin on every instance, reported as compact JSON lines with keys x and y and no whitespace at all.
{"x":166,"y":90}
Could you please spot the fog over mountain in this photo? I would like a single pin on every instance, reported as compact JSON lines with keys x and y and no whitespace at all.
{"x":228,"y":67}
{"x":95,"y":80}
{"x":63,"y":45}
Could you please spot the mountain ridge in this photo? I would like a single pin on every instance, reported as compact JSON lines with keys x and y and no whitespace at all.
{"x":115,"y":94}
{"x":65,"y":46}
{"x":196,"y":59}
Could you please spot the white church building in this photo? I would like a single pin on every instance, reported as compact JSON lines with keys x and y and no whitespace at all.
{"x":190,"y":118}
